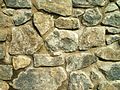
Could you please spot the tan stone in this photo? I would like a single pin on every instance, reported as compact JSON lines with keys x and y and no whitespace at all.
{"x":4,"y":85}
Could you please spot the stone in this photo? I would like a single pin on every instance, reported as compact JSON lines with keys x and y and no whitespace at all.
{"x":25,"y":40}
{"x":67,"y":23}
{"x":92,"y":17}
{"x":118,"y":2}
{"x":45,"y":78}
{"x":92,"y":37}
{"x":111,"y":7}
{"x":22,"y":16}
{"x":77,"y":62}
{"x":47,"y":60}
{"x":79,"y":81}
{"x":111,"y":70}
{"x":2,"y":51}
{"x":116,"y":84}
{"x":81,"y":3}
{"x":77,"y":12}
{"x":63,"y":7}
{"x":6,"y":72}
{"x":9,"y":11}
{"x":98,"y":2}
{"x":61,"y":41}
{"x":3,"y":34}
{"x":113,"y":30}
{"x":4,"y":85}
{"x":112,"y":38}
{"x":108,"y":54}
{"x":21,"y":61}
{"x":18,"y":3}
{"x":112,"y":19}
{"x":45,"y":25}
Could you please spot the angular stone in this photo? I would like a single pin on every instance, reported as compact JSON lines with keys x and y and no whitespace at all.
{"x":25,"y":40}
{"x":62,"y":40}
{"x":108,"y":54}
{"x":79,"y":81}
{"x":67,"y":23}
{"x":97,"y":2}
{"x":77,"y":12}
{"x":40,"y":79}
{"x":6,"y":72}
{"x":81,"y":3}
{"x":92,"y":17}
{"x":45,"y":25}
{"x":92,"y":37}
{"x":21,"y":61}
{"x":76,"y":62}
{"x":47,"y":60}
{"x":111,"y":7}
{"x":111,"y":70}
{"x":112,"y":19}
{"x":3,"y":85}
{"x":2,"y":51}
{"x":22,"y":16}
{"x":112,"y":38}
{"x":18,"y":3}
{"x":3,"y":34}
{"x":113,"y":30}
{"x":63,"y":7}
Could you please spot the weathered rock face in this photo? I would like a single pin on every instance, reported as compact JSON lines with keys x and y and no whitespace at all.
{"x":25,"y":40}
{"x":63,"y":7}
{"x":92,"y":17}
{"x":18,"y":3}
{"x":112,"y":19}
{"x":92,"y":37}
{"x":67,"y":23}
{"x":4,"y":85}
{"x":6,"y":72}
{"x":47,"y":60}
{"x":45,"y":25}
{"x":40,"y":79}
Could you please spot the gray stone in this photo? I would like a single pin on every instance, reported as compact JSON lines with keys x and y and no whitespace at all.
{"x":98,"y":2}
{"x":112,"y":19}
{"x":113,"y":30}
{"x":79,"y":81}
{"x":92,"y":17}
{"x":22,"y":16}
{"x":25,"y":40}
{"x":112,"y":38}
{"x":63,"y":7}
{"x":18,"y":3}
{"x":67,"y":23}
{"x":76,"y":62}
{"x":6,"y":72}
{"x":62,"y":41}
{"x":111,"y":70}
{"x":4,"y":85}
{"x":77,"y":12}
{"x":108,"y":54}
{"x":45,"y":25}
{"x":111,"y":7}
{"x":2,"y":51}
{"x":92,"y":37}
{"x":3,"y":34}
{"x":47,"y":60}
{"x":40,"y":79}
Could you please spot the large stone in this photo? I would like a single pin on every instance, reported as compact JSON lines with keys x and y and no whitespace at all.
{"x":92,"y":17}
{"x":47,"y":60}
{"x":67,"y":23}
{"x":79,"y":81}
{"x":45,"y":25}
{"x":3,"y":85}
{"x":25,"y":40}
{"x":3,"y":34}
{"x":61,"y":7}
{"x":112,"y":19}
{"x":21,"y":61}
{"x":18,"y":3}
{"x":98,"y":2}
{"x":22,"y":16}
{"x":62,"y":40}
{"x":6,"y":72}
{"x":113,"y":30}
{"x":76,"y":62}
{"x":111,"y":70}
{"x":40,"y":79}
{"x":2,"y":51}
{"x":92,"y":37}
{"x":108,"y":54}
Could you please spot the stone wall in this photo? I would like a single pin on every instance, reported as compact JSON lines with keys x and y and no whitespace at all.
{"x":60,"y":45}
